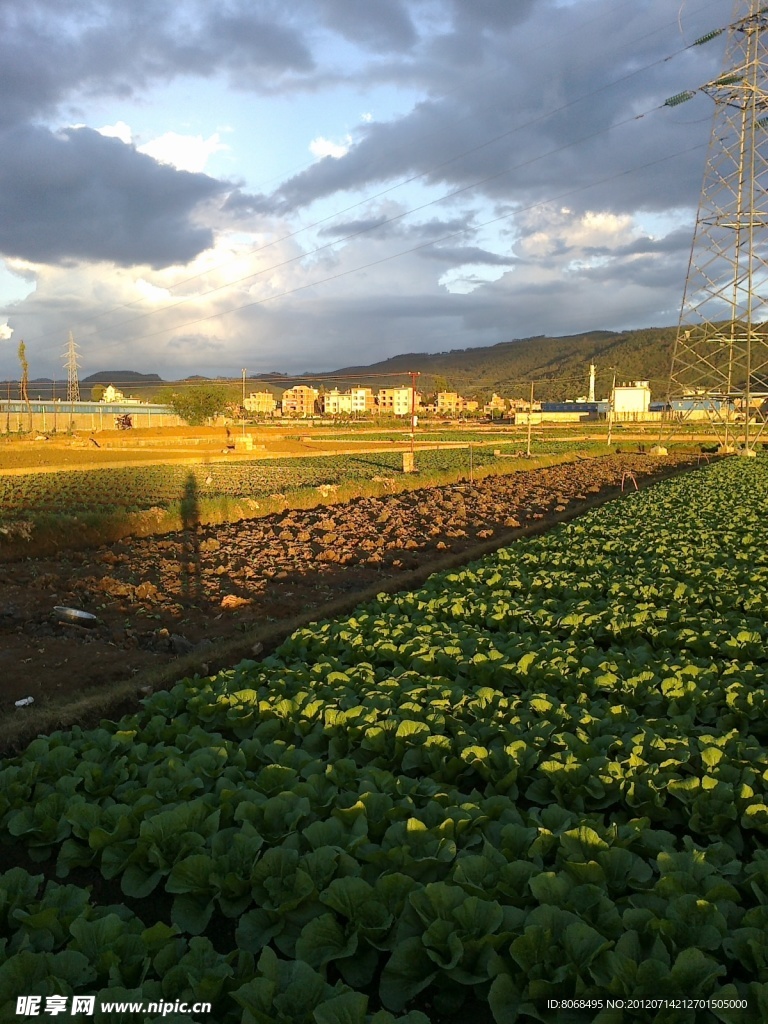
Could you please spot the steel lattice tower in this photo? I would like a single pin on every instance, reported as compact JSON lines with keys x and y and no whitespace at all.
{"x":720,"y":360}
{"x":71,"y":365}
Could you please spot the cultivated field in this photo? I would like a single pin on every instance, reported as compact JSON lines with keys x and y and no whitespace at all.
{"x":541,"y":776}
{"x":186,"y":593}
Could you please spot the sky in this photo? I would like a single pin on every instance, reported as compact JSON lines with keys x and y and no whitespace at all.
{"x":200,"y":188}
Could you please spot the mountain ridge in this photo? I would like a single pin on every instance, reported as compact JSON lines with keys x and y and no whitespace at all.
{"x":559,"y":366}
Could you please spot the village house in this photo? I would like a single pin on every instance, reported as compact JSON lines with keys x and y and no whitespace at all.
{"x":261,"y":403}
{"x":397,"y":401}
{"x":355,"y":402}
{"x":496,"y":407}
{"x":299,"y":401}
{"x":112,"y":394}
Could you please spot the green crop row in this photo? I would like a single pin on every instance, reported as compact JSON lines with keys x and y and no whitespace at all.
{"x":544,"y":776}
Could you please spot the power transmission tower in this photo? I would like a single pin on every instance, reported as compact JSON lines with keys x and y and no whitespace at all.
{"x":720,"y":359}
{"x":72,"y":365}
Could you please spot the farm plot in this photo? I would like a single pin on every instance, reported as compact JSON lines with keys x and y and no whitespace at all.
{"x":156,"y":597}
{"x":542,"y":777}
{"x":142,"y":487}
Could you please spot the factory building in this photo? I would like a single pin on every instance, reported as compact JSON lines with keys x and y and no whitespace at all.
{"x":632,"y":399}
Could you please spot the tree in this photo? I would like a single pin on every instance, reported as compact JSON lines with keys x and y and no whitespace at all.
{"x":97,"y":392}
{"x":197,"y":404}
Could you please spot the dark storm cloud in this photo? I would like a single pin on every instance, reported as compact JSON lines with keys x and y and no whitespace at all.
{"x":392,"y":225}
{"x":79,"y":195}
{"x":481,"y":15}
{"x":531,"y":311}
{"x":355,"y":331}
{"x":456,"y":256}
{"x":440,"y":228}
{"x":646,"y":271}
{"x":355,"y":227}
{"x":380,"y":26}
{"x":675,"y":242}
{"x":523,"y":103}
{"x":244,"y":43}
{"x":48,"y":49}
{"x":571,"y":108}
{"x":240,"y":204}
{"x":529,"y":117}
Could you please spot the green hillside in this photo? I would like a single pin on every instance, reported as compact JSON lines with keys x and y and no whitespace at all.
{"x":561,"y":364}
{"x":560,"y":367}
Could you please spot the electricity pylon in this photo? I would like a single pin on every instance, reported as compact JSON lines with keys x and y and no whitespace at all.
{"x":720,"y":359}
{"x":71,"y":365}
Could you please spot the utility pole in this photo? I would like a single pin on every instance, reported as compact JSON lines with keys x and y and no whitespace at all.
{"x":413,"y":410}
{"x":610,"y":408}
{"x":530,"y":422}
{"x":412,"y":461}
{"x":243,"y":403}
{"x":720,"y":359}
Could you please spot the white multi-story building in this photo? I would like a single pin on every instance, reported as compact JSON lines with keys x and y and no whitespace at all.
{"x":112,"y":394}
{"x":362,"y":400}
{"x":398,"y":401}
{"x":355,"y":402}
{"x":631,"y":399}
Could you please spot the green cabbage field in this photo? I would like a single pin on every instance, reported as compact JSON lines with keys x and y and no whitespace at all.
{"x":534,"y":790}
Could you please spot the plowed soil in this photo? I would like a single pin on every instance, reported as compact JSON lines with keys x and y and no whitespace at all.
{"x":158,"y":598}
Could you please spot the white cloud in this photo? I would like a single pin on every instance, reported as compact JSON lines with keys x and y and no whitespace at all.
{"x":184,"y":152}
{"x":321,"y":147}
{"x":118,"y":130}
{"x":151,"y":292}
{"x":151,"y":316}
{"x":5,"y":332}
{"x":465,"y":279}
{"x":551,"y":231}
